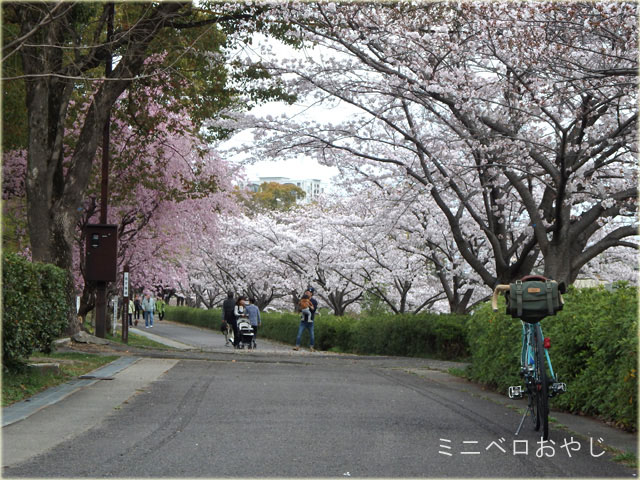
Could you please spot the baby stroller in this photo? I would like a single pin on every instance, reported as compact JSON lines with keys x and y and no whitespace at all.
{"x":245,"y":333}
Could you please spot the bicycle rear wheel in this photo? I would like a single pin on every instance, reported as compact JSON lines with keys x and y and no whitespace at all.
{"x":542,"y":386}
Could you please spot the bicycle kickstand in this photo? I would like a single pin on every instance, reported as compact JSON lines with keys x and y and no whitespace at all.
{"x":523,"y":418}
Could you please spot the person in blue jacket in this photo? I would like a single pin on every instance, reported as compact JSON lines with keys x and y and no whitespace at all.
{"x":254,"y":318}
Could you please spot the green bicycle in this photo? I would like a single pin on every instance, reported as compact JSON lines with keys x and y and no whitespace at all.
{"x":531,"y":299}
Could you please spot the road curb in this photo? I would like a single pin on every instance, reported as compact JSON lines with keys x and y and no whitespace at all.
{"x":24,"y":409}
{"x":159,"y":339}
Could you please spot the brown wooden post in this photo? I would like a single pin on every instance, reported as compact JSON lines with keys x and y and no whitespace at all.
{"x":125,"y":305}
{"x":101,"y":290}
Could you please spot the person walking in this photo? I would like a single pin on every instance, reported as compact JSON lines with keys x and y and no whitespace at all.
{"x":138,"y":307}
{"x":308,"y":322}
{"x":228,"y":316}
{"x":253,"y":313}
{"x":160,"y":307}
{"x":131,"y":310}
{"x":148,"y":306}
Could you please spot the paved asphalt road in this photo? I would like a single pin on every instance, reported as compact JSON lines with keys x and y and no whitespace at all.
{"x":278,"y":413}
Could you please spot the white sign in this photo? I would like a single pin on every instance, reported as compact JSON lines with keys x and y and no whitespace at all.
{"x":125,"y":290}
{"x":115,"y":314}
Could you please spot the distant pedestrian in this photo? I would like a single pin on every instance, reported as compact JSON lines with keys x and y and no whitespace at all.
{"x":148,"y":306}
{"x":228,"y":316}
{"x":160,"y":307}
{"x":307,"y":323}
{"x":138,"y":307}
{"x":131,"y":311}
{"x":253,"y":313}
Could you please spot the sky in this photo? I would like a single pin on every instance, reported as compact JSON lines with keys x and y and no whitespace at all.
{"x":302,"y":167}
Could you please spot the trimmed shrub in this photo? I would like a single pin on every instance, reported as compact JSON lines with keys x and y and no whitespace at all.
{"x":35,"y":308}
{"x":282,"y":327}
{"x":594,"y":350}
{"x":423,"y":335}
{"x":195,"y":316}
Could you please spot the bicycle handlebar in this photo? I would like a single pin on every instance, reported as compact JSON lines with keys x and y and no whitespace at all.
{"x":496,"y":292}
{"x":542,"y":278}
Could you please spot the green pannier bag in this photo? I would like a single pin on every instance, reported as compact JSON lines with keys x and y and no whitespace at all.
{"x":532,"y":300}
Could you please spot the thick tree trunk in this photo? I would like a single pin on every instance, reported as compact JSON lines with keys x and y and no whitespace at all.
{"x":558,"y":264}
{"x":53,"y":194}
{"x":459,"y":304}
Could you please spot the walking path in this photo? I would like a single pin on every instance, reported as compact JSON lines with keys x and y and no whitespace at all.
{"x":185,"y":337}
{"x":135,"y":373}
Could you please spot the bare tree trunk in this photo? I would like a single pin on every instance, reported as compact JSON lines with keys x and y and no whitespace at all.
{"x":54,"y":194}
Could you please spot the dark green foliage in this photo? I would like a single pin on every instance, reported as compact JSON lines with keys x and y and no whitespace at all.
{"x":283,"y":327}
{"x":594,"y":350}
{"x":195,"y":316}
{"x":423,"y":335}
{"x":35,"y":309}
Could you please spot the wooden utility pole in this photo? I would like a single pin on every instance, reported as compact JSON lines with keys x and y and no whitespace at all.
{"x":101,"y":290}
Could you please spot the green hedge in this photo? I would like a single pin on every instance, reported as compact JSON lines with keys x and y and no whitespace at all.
{"x":424,"y":335}
{"x":195,"y":316}
{"x":428,"y":335}
{"x":594,"y":350}
{"x":35,"y":308}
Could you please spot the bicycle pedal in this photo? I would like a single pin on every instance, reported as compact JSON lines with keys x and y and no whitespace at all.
{"x":559,"y":387}
{"x":515,"y":392}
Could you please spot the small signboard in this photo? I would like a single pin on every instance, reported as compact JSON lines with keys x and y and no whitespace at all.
{"x":125,"y":289}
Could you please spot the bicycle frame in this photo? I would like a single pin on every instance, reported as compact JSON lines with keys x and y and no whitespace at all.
{"x":540,"y":381}
{"x":527,"y":355}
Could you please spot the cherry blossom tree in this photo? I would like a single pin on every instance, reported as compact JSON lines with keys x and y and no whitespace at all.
{"x":519,"y":122}
{"x":362,"y":241}
{"x":245,"y":260}
{"x":90,"y":54}
{"x":407,"y":240}
{"x":167,"y":189}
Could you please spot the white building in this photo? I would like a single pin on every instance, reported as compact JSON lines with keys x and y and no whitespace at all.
{"x":311,"y":186}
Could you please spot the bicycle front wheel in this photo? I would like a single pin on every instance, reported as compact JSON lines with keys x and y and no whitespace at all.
{"x":541,"y":386}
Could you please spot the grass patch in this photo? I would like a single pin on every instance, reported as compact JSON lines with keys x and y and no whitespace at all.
{"x":458,"y":372}
{"x":17,"y":386}
{"x":628,"y":459}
